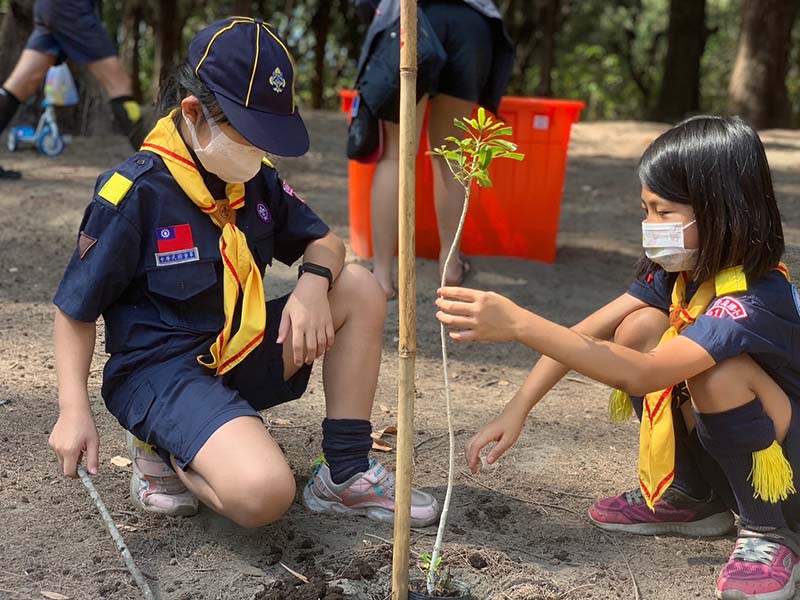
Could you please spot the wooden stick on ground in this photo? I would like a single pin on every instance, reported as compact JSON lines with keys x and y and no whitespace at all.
{"x":117,"y":537}
{"x":407,"y":347}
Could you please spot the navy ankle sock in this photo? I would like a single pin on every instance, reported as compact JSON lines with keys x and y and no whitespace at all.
{"x":731,"y":437}
{"x":688,"y":477}
{"x":346,"y":444}
{"x":8,"y":107}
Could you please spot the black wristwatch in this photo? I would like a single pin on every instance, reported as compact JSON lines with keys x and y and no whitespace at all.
{"x":316,"y":269}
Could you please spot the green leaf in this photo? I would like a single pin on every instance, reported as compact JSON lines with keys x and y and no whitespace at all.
{"x":504,"y":144}
{"x":483,"y":180}
{"x":505,"y":132}
{"x":481,"y":117}
{"x":513,"y":155}
{"x":473,"y":123}
{"x":461,"y":125}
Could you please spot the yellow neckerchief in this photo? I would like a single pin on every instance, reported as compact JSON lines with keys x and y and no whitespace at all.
{"x":239,"y":270}
{"x":771,"y":474}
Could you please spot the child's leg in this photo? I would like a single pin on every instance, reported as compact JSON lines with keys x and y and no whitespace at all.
{"x":686,"y":508}
{"x":741,"y":410}
{"x":241,"y":473}
{"x":350,"y":482}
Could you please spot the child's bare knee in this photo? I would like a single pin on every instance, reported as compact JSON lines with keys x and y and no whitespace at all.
{"x":361,"y":291}
{"x":262,"y":498}
{"x":642,"y":330}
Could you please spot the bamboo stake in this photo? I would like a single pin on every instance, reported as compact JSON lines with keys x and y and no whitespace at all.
{"x":407,"y":297}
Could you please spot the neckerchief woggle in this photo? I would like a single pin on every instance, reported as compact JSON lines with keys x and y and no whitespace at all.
{"x":771,"y":474}
{"x":241,"y":275}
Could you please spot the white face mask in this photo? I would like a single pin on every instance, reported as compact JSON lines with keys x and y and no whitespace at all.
{"x":230,"y":161}
{"x":663,"y":244}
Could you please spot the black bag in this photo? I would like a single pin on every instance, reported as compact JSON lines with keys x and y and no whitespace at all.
{"x":379,"y":84}
{"x":364,"y":135}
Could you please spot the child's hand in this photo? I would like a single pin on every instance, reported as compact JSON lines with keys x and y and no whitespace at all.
{"x":504,"y":430}
{"x":75,"y":435}
{"x":307,"y":316}
{"x":477,"y":315}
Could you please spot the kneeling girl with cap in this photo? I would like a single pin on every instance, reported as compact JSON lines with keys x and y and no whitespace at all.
{"x":171,"y":252}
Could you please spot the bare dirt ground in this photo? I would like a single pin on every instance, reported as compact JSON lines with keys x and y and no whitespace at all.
{"x":518,"y":531}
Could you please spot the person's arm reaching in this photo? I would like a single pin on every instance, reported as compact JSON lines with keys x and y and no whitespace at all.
{"x":74,"y":434}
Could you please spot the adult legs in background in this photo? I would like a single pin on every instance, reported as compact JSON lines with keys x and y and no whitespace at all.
{"x":385,"y":203}
{"x":447,"y":192}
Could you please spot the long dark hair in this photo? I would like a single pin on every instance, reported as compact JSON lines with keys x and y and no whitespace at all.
{"x":183,"y":83}
{"x":718,"y":166}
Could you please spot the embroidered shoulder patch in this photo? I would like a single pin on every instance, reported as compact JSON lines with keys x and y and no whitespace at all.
{"x":85,"y":243}
{"x":290,"y":190}
{"x":727,"y":306}
{"x":115,"y":189}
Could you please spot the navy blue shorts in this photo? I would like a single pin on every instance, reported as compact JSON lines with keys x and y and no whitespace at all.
{"x":468,"y":39}
{"x":177,"y":404}
{"x":70,"y":29}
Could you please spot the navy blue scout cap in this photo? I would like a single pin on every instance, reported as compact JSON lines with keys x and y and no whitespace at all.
{"x":251,"y":73}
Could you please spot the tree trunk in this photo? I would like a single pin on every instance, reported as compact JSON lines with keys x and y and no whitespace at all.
{"x":549,"y":19}
{"x":168,"y":43}
{"x":320,"y":25}
{"x":17,"y":26}
{"x":243,"y":8}
{"x":130,"y":45}
{"x":757,"y":90}
{"x":679,"y":95}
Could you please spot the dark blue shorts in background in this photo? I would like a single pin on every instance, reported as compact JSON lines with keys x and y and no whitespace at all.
{"x":177,"y":404}
{"x":468,"y":40}
{"x":70,"y":29}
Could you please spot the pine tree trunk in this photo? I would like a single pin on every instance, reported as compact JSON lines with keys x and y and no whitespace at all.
{"x":757,"y":90}
{"x":679,"y":95}
{"x":14,"y":31}
{"x":320,"y":25}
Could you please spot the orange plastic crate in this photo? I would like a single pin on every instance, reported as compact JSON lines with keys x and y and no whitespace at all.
{"x":518,"y":216}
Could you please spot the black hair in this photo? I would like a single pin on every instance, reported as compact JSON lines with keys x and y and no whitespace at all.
{"x":183,"y":83}
{"x":718,"y":166}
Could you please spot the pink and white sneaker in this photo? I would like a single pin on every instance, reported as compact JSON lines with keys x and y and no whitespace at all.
{"x":759,"y":569}
{"x":370,"y":494}
{"x":154,"y":486}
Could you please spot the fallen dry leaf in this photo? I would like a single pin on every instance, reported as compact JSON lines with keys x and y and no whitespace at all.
{"x":280,"y":422}
{"x":388,"y":430}
{"x":384,"y":408}
{"x":54,"y":595}
{"x":121,"y":461}
{"x":381,"y":446}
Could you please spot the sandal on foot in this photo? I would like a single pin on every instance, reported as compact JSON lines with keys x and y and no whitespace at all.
{"x":466,"y":269}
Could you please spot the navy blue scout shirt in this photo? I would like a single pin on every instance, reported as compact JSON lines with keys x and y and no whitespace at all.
{"x":150,"y":264}
{"x":763,"y":322}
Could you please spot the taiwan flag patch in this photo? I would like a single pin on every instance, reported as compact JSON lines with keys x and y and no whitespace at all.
{"x":177,"y":237}
{"x":175,"y":245}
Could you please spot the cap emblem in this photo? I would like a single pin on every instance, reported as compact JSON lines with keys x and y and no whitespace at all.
{"x":277,"y":81}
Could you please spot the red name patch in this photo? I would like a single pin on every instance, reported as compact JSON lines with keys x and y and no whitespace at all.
{"x":727,"y":306}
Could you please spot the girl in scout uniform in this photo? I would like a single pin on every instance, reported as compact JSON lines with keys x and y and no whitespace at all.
{"x":171,"y":252}
{"x":712,"y":318}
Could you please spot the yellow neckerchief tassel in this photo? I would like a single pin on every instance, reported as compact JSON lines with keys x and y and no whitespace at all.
{"x":620,"y":408}
{"x":241,"y":275}
{"x":771,"y":474}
